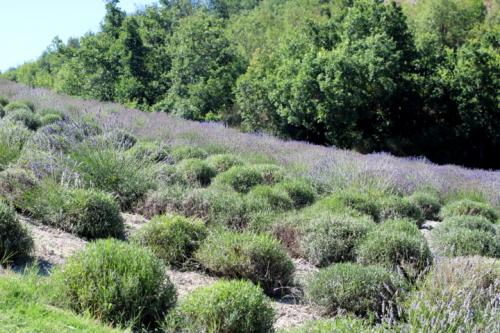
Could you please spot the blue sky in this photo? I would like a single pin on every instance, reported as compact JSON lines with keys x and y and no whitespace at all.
{"x":28,"y":26}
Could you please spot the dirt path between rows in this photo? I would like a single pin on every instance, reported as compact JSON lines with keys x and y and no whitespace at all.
{"x":53,"y":247}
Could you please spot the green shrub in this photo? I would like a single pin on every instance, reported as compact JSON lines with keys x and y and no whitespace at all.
{"x":49,"y":111}
{"x":17,"y":105}
{"x":2,"y":112}
{"x":394,"y":207}
{"x":25,"y":117}
{"x":364,"y":203}
{"x":337,"y":325}
{"x":465,"y":242}
{"x":115,"y":172}
{"x":167,"y":175}
{"x":64,"y":136}
{"x":185,"y":152}
{"x":50,"y":164}
{"x":458,"y":295}
{"x":92,"y":214}
{"x":270,"y":173}
{"x":116,"y":282}
{"x":50,"y":119}
{"x":301,"y":192}
{"x":401,"y":225}
{"x":167,"y":199}
{"x":15,"y":240}
{"x":473,"y":194}
{"x":361,"y":290}
{"x":468,"y":207}
{"x":468,"y":222}
{"x":259,"y":258}
{"x":3,"y":101}
{"x":396,"y":244}
{"x":12,"y":140}
{"x":240,"y":178}
{"x":172,"y":238}
{"x":14,"y":182}
{"x":429,"y":204}
{"x":120,"y":139}
{"x":28,"y":103}
{"x":330,"y":238}
{"x":195,"y":171}
{"x":150,"y":151}
{"x":216,"y":207}
{"x":43,"y":202}
{"x":223,"y":162}
{"x":263,"y":197}
{"x":261,"y":221}
{"x":86,"y":213}
{"x":223,"y":307}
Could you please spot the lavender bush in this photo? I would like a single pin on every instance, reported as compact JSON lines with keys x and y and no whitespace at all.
{"x":459,"y":295}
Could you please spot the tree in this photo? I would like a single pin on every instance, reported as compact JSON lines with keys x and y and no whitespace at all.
{"x":339,"y":84}
{"x":228,"y":8}
{"x":447,"y":22}
{"x":204,"y":69}
{"x":113,"y":19}
{"x":133,"y":76}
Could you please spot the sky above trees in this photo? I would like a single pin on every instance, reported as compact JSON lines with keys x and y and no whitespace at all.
{"x":28,"y":26}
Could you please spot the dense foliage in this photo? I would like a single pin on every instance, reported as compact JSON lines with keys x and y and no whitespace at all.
{"x":259,"y":258}
{"x":466,"y":235}
{"x":362,"y":290}
{"x":172,"y":238}
{"x":15,"y":240}
{"x":414,"y":78}
{"x":116,"y":282}
{"x":456,"y":296}
{"x":398,"y":245}
{"x":226,"y":306}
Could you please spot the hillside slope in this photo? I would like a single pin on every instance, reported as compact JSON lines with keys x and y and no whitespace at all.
{"x":326,"y":166}
{"x":158,"y":224}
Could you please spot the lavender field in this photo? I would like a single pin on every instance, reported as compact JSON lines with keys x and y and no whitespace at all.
{"x":326,"y":166}
{"x":117,"y":220}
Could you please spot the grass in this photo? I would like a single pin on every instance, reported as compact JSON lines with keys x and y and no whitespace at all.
{"x":25,"y":308}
